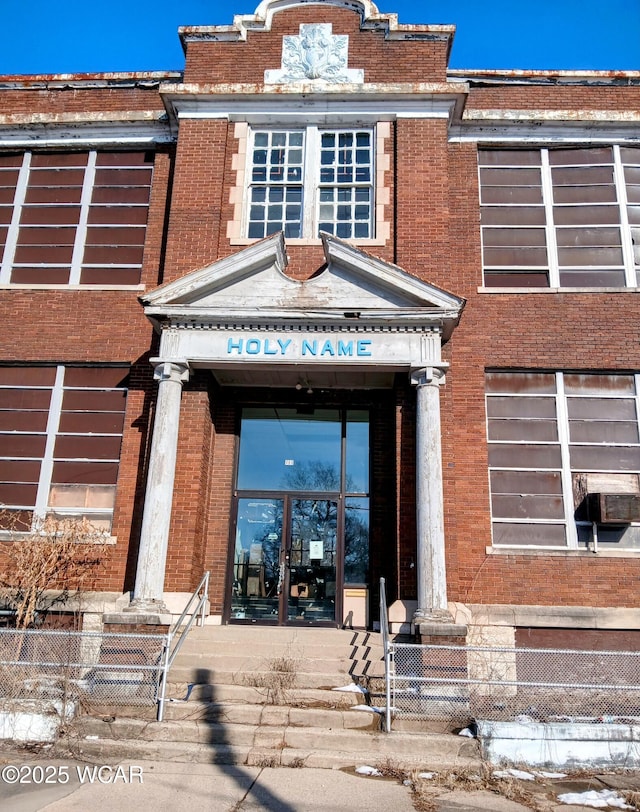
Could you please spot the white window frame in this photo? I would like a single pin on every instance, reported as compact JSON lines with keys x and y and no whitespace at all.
{"x":42,"y":508}
{"x":311,"y":183}
{"x":629,"y":266}
{"x":19,"y":202}
{"x":562,"y":422}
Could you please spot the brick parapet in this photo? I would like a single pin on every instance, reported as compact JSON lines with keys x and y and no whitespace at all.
{"x":380,"y":57}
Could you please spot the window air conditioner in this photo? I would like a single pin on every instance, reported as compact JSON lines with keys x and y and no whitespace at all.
{"x":614,"y":508}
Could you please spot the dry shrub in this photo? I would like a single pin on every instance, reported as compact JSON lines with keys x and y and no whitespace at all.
{"x":469,"y":779}
{"x":277,"y":681}
{"x":47,"y":566}
{"x":632,"y":797}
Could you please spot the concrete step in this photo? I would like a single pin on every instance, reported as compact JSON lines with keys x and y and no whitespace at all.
{"x":298,"y":647}
{"x":271,"y":715}
{"x":280,"y":634}
{"x":246,"y":694}
{"x":265,"y":652}
{"x":225,"y":732}
{"x":270,"y":680}
{"x":271,"y":746}
{"x":286,"y":634}
{"x":238,"y":660}
{"x":279,"y":736}
{"x":105,"y":751}
{"x":269,"y":651}
{"x":261,"y":696}
{"x":244,"y":655}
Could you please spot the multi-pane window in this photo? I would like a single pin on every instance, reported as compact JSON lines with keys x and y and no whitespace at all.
{"x":60,"y":436}
{"x":73,"y":218}
{"x":304,"y":181}
{"x":561,"y":217}
{"x":549,"y":433}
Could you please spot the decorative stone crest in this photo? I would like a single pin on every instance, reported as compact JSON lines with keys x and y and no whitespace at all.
{"x":316,"y":53}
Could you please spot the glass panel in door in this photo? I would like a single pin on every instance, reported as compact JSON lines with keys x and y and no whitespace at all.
{"x":312,"y":561}
{"x":257,"y":571}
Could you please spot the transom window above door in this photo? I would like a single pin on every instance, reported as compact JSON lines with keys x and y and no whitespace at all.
{"x":304,"y":181}
{"x":305,"y":450}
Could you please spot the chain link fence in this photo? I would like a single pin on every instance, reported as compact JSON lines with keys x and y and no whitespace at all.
{"x":88,"y":668}
{"x":463,"y":683}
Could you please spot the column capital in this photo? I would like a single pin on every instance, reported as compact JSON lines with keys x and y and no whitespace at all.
{"x":431,"y":375}
{"x":172,"y":370}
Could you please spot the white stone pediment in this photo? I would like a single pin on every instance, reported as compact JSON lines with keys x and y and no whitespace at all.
{"x":252,"y":283}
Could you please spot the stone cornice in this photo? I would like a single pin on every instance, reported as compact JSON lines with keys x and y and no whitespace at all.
{"x":146,"y":80}
{"x":363,"y":264}
{"x":136,"y":127}
{"x":586,"y":78}
{"x":598,"y":116}
{"x":420,"y":319}
{"x":317,"y":102}
{"x":553,"y":126}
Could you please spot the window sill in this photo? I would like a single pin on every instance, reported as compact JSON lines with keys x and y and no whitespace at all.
{"x":482,"y":289}
{"x":10,"y":286}
{"x":309,"y":241}
{"x":9,"y":535}
{"x":539,"y":552}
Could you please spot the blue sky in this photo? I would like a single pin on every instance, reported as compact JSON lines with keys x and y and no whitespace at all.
{"x":40,"y":36}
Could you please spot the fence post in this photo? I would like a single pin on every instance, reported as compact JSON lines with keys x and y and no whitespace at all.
{"x":384,"y":629}
{"x":164,"y":675}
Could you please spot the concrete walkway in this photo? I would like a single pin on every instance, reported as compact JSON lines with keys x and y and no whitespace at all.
{"x":195,"y":787}
{"x":33,"y":783}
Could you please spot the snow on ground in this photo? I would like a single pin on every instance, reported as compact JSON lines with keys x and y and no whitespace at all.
{"x":366,"y":770}
{"x":602,"y":799}
{"x":352,"y":687}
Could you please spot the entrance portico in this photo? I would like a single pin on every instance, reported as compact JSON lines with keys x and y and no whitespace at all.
{"x":356,"y":325}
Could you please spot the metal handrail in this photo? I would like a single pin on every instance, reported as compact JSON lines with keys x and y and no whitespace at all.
{"x":384,"y":629}
{"x":170,"y":652}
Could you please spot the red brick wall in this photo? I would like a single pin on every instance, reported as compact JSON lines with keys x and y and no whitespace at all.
{"x":576,"y":639}
{"x":79,"y":100}
{"x":554,"y":97}
{"x":383,"y":60}
{"x":423,"y":240}
{"x":219,"y":508}
{"x":198,"y":197}
{"x":94,"y":326}
{"x":546,"y":331}
{"x":434,"y":221}
{"x":194,"y":477}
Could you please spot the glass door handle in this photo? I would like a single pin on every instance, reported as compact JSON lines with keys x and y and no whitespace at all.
{"x":280,"y":578}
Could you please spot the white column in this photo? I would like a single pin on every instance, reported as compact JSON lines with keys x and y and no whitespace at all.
{"x":156,"y":518}
{"x":430,"y":559}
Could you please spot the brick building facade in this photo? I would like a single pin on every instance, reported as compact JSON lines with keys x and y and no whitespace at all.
{"x":319,"y":310}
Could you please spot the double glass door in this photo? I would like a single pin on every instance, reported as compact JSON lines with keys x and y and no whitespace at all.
{"x":302,"y":504}
{"x":285,"y":560}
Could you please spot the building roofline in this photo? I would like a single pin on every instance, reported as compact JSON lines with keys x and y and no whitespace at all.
{"x":371,"y":19}
{"x":544,"y":77}
{"x":41,"y":81}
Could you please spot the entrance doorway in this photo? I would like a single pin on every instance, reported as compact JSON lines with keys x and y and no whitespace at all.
{"x":302,"y":514}
{"x":285,"y":568}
